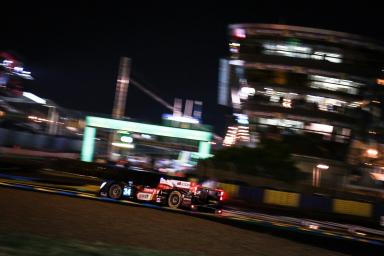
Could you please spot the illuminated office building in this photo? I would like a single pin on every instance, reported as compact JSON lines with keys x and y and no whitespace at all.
{"x":297,"y":80}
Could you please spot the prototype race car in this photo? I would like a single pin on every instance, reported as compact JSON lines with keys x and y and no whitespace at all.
{"x":175,"y":193}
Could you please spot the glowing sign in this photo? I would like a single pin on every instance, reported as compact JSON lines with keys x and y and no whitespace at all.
{"x":93,"y":122}
{"x":159,"y":130}
{"x":88,"y":144}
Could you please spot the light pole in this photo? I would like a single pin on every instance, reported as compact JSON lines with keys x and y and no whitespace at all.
{"x":316,"y":174}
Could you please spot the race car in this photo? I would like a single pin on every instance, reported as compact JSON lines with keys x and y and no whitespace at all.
{"x":175,"y":193}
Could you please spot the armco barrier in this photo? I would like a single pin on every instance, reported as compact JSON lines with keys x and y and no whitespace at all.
{"x":253,"y":195}
{"x":315,"y":203}
{"x":352,"y":208}
{"x":276,"y":197}
{"x":378,"y":212}
{"x":231,"y":190}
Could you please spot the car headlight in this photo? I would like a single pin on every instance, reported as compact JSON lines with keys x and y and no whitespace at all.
{"x":103,"y":184}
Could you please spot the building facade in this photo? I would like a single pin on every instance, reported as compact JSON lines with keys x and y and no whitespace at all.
{"x":290,"y":80}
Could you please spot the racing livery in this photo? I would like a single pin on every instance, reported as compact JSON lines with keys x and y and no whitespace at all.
{"x":175,"y":193}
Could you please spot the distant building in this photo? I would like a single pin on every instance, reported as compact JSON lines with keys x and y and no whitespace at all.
{"x":299,"y":81}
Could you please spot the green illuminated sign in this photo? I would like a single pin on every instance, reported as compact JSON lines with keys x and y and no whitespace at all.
{"x":115,"y":124}
{"x":88,"y":144}
{"x":93,"y":122}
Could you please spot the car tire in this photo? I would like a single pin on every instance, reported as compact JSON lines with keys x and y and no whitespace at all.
{"x":115,"y":191}
{"x":174,"y":199}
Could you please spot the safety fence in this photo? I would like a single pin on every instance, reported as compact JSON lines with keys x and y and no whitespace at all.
{"x":304,"y":202}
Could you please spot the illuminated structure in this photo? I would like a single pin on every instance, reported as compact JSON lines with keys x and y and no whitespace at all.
{"x":296,"y":80}
{"x":238,"y":133}
{"x":92,"y":123}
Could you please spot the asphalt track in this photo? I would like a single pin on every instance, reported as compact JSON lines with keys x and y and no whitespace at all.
{"x":63,"y":217}
{"x":302,"y":230}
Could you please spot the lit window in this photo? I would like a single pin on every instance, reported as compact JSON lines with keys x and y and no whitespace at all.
{"x":331,"y":57}
{"x":334,"y":84}
{"x":300,"y":51}
{"x":234,"y":47}
{"x":325,"y":104}
{"x":319,"y":127}
{"x":246,"y":91}
{"x":281,"y":122}
{"x":236,"y":62}
{"x":287,"y":103}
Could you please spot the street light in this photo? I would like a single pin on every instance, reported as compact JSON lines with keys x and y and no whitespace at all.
{"x":372,"y":153}
{"x":322,"y":166}
{"x":316,"y":174}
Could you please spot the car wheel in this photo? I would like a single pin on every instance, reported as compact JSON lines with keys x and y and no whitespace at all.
{"x":115,"y":191}
{"x":174,"y":199}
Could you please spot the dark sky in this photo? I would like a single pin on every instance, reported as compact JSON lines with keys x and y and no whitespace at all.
{"x":73,"y":51}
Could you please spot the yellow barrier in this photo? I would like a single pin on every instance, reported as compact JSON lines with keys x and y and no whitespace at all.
{"x":231,"y":191}
{"x":352,"y":207}
{"x":281,"y":198}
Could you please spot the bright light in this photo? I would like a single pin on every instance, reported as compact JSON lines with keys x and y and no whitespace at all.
{"x":240,"y":33}
{"x":34,"y":98}
{"x":234,"y":47}
{"x":39,"y":119}
{"x":287,"y":103}
{"x":371,"y":152}
{"x":289,"y":50}
{"x":18,"y":69}
{"x":313,"y":226}
{"x":126,"y":139}
{"x":322,"y":166}
{"x":146,"y":136}
{"x":281,"y":122}
{"x":319,"y":127}
{"x":100,"y":122}
{"x":71,"y":128}
{"x":182,"y":119}
{"x":127,"y":191}
{"x":380,"y":81}
{"x":88,"y":144}
{"x":236,"y":62}
{"x":248,"y":90}
{"x":103,"y":184}
{"x":93,"y":122}
{"x":377,"y":176}
{"x":122,"y":145}
{"x":334,"y":84}
{"x":241,"y":119}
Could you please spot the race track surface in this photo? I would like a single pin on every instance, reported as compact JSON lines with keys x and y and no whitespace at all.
{"x":54,"y":216}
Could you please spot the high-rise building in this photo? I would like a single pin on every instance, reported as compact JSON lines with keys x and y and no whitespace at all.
{"x":293,"y":80}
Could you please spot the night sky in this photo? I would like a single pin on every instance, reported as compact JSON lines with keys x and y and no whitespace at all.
{"x":73,"y":51}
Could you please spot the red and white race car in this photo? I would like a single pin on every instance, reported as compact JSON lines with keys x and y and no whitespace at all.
{"x":175,"y":193}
